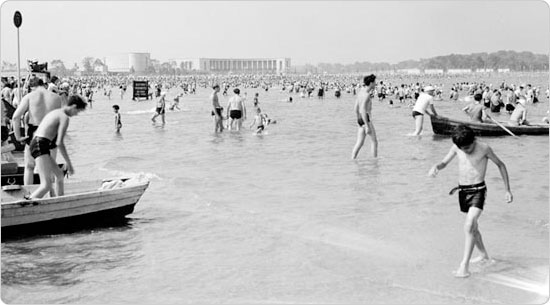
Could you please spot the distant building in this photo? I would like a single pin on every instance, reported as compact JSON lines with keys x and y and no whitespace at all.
{"x":484,"y":70}
{"x":235,"y":65}
{"x":459,"y":71}
{"x":433,"y":71}
{"x":409,"y":71}
{"x":503,"y":70}
{"x":126,"y":62}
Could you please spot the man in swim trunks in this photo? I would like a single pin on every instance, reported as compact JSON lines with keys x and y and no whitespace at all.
{"x":216,"y":109}
{"x":236,"y":110}
{"x":38,"y":103}
{"x":161,"y":109}
{"x":424,"y":100}
{"x":363,"y":106}
{"x":472,"y":166}
{"x":53,"y":126}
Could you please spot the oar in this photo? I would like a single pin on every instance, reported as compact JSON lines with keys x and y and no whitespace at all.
{"x":502,"y":126}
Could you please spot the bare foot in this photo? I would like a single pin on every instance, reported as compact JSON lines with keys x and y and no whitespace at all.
{"x":480,"y":259}
{"x":461,"y":273}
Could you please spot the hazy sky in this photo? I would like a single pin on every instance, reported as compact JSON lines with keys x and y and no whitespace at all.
{"x":305,"y":31}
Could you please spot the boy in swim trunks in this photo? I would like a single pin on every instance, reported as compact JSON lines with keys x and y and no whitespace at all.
{"x":118,"y":121}
{"x":259,"y":119}
{"x":53,"y":126}
{"x":363,"y":106}
{"x":472,"y":166}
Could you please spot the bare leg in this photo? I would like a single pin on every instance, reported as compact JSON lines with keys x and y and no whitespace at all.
{"x":373,"y":139}
{"x":361,"y":134}
{"x":470,"y":229}
{"x":58,"y":175}
{"x":28,"y":175}
{"x":419,"y":121}
{"x":43,"y":165}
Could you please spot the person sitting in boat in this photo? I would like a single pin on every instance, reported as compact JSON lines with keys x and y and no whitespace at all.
{"x":519,"y":116}
{"x":476,"y":110}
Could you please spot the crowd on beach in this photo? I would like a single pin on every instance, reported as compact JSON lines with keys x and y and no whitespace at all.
{"x":41,"y":111}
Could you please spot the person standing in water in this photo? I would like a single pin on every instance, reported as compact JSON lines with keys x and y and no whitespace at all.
{"x":363,"y":106}
{"x":424,"y":100}
{"x":236,"y":110}
{"x":161,"y":108}
{"x":472,"y":166}
{"x":216,"y":109}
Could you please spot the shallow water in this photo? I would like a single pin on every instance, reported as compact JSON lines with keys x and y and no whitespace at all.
{"x":287,"y":217}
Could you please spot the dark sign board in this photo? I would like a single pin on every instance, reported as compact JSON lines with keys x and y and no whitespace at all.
{"x":17,"y":19}
{"x":141,"y":89}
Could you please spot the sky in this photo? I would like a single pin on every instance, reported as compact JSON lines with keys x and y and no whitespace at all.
{"x":307,"y":32}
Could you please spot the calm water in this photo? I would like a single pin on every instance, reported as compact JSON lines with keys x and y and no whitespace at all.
{"x":287,"y":217}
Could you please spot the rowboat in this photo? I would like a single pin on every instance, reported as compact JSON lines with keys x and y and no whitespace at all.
{"x":87,"y":201}
{"x":444,"y":126}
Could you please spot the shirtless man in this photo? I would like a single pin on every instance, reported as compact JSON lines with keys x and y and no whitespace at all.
{"x":53,"y":129}
{"x":472,"y":157}
{"x":475,"y":110}
{"x":236,"y":111}
{"x":217,"y":109}
{"x":38,"y":103}
{"x":363,"y":106}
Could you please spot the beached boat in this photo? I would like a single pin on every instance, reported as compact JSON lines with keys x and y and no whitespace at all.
{"x":83,"y":201}
{"x":444,"y":126}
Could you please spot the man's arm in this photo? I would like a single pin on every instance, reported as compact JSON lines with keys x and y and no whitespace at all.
{"x":18,"y":115}
{"x":441,"y":165}
{"x":432,"y":108}
{"x":503,"y":172}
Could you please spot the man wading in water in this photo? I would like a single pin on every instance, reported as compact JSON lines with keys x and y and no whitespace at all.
{"x":363,"y":106}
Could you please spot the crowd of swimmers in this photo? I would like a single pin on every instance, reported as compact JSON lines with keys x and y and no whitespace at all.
{"x":45,"y":109}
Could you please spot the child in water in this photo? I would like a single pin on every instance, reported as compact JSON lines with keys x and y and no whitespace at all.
{"x":472,"y":166}
{"x":259,"y":119}
{"x":118,"y":122}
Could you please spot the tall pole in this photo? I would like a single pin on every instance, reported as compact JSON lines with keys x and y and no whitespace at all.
{"x":17,"y":20}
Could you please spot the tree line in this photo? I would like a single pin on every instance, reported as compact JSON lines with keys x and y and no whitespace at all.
{"x":515,"y":61}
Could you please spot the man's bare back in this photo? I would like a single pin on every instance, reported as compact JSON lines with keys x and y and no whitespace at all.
{"x":39,"y":103}
{"x":50,"y":125}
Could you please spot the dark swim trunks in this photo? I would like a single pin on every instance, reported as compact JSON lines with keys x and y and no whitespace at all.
{"x":40,"y":146}
{"x":218,"y":111}
{"x":235,"y":114}
{"x":360,"y":121}
{"x":415,"y":113}
{"x":5,"y":133}
{"x":30,"y":133}
{"x":471,"y":196}
{"x":510,"y":107}
{"x":260,"y":127}
{"x":160,"y":110}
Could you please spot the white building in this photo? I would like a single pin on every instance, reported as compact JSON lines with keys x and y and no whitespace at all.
{"x":235,"y":65}
{"x":124,"y":62}
{"x":459,"y":71}
{"x":433,"y":71}
{"x":409,"y":71}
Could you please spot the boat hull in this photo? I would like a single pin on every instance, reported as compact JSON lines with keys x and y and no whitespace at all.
{"x":445,"y":126}
{"x":78,"y":204}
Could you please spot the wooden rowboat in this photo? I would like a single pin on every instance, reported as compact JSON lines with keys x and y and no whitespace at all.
{"x":444,"y":126}
{"x":83,"y":201}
